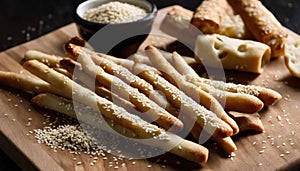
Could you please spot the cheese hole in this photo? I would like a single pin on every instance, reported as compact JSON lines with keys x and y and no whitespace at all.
{"x":242,"y":48}
{"x":217,"y":45}
{"x":223,"y":54}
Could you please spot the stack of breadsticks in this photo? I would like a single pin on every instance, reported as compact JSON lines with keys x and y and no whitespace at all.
{"x":240,"y":34}
{"x":156,"y":99}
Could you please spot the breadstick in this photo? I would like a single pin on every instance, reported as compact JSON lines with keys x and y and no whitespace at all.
{"x":262,"y":24}
{"x":71,"y":90}
{"x":50,"y":60}
{"x":226,"y":144}
{"x":63,"y":71}
{"x":186,"y":149}
{"x":233,"y":101}
{"x":25,"y":82}
{"x":150,"y":110}
{"x":190,"y":89}
{"x":207,"y":119}
{"x":267,"y":96}
{"x":142,"y":58}
{"x":125,"y":75}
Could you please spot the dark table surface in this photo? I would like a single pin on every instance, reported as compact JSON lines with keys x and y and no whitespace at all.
{"x":24,"y":20}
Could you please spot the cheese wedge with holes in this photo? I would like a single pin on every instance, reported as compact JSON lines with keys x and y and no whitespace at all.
{"x":221,"y":51}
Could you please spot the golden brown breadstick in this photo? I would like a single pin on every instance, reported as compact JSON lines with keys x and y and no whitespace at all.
{"x":207,"y":119}
{"x":183,"y":148}
{"x":233,"y":101}
{"x":226,"y":144}
{"x":142,"y":58}
{"x":190,"y":89}
{"x":63,"y":71}
{"x":150,"y":110}
{"x":25,"y":82}
{"x":266,"y":95}
{"x":262,"y":24}
{"x":50,"y":60}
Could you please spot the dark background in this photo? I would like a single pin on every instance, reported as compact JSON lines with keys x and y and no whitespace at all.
{"x":24,"y":20}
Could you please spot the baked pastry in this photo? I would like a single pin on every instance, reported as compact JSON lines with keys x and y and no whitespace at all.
{"x":262,"y":24}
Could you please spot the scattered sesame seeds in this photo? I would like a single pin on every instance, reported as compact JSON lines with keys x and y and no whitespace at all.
{"x":279,"y":118}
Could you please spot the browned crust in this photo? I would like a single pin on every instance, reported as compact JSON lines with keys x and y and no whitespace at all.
{"x":208,"y":16}
{"x":261,"y":23}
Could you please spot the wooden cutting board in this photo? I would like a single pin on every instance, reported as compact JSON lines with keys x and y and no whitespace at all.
{"x":280,"y":141}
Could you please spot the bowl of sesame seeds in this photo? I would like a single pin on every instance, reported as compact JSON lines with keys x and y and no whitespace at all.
{"x":123,"y":19}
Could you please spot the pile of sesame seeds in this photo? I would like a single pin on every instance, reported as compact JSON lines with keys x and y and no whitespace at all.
{"x":115,"y":12}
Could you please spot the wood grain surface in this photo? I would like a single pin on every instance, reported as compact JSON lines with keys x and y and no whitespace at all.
{"x":280,"y":136}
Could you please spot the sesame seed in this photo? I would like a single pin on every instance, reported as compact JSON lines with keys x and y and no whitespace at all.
{"x":114,"y":12}
{"x":79,"y":163}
